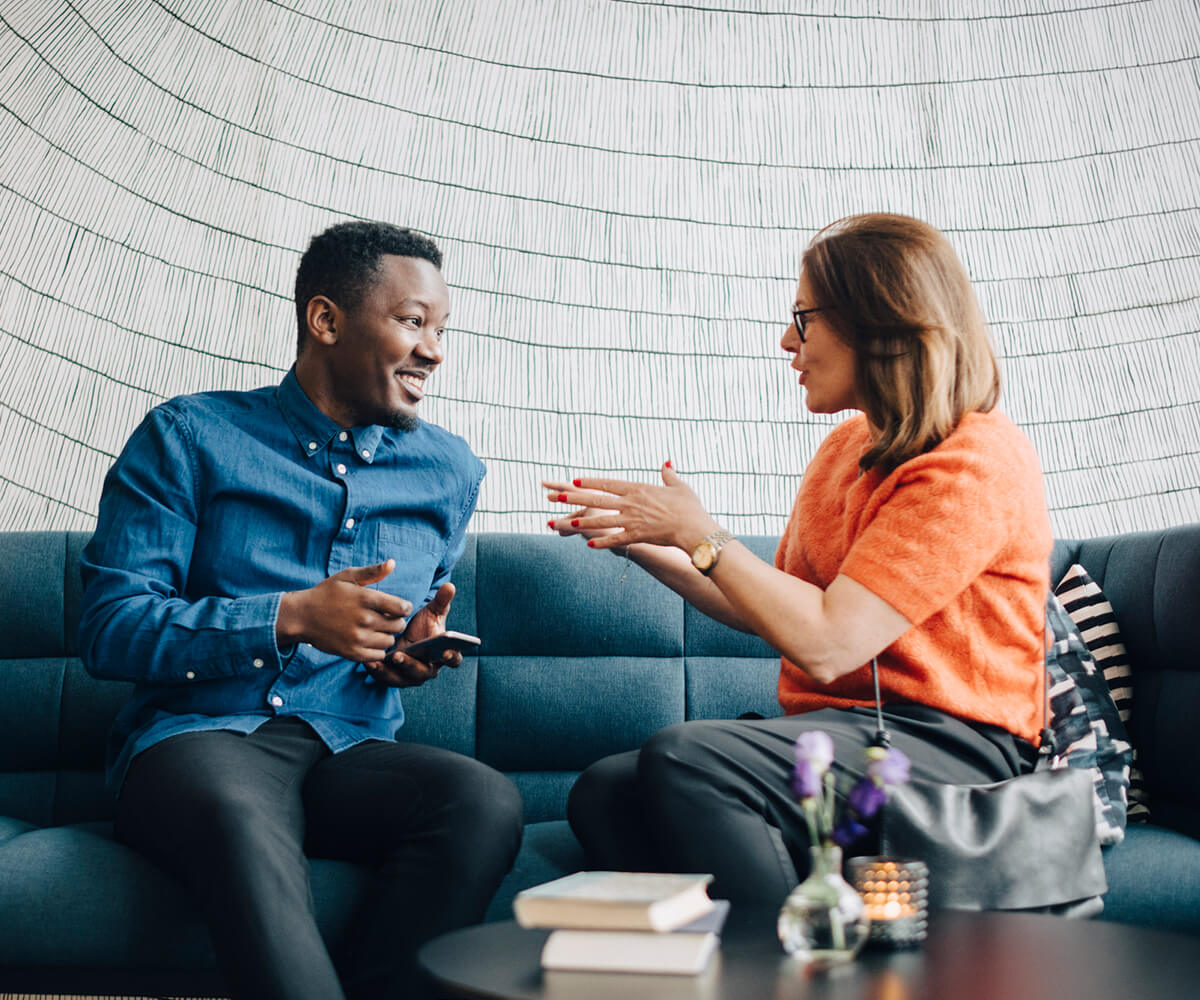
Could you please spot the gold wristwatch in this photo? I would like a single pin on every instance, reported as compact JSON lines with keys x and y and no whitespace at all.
{"x":708,"y":550}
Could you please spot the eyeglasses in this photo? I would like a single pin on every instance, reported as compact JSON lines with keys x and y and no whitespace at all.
{"x":800,"y":318}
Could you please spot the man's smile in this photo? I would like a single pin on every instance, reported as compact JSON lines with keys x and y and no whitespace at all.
{"x":414,"y":382}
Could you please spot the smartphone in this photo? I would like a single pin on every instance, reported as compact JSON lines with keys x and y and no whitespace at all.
{"x":431,"y":650}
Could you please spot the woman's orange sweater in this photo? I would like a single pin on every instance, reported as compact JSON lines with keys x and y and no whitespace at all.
{"x":958,"y":541}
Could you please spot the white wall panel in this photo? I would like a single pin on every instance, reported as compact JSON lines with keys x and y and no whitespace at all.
{"x":622,"y":189}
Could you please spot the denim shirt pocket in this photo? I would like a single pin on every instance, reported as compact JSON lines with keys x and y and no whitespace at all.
{"x":418,"y":552}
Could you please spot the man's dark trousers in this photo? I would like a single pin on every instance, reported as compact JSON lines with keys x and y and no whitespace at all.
{"x":233,"y":816}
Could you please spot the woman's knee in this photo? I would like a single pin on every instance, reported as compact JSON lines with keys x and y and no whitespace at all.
{"x":602,"y":786}
{"x":681,"y":751}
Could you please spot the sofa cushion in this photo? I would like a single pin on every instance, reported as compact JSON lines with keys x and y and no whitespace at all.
{"x":548,"y":850}
{"x":55,"y":717}
{"x":1153,"y":879}
{"x":550,"y":597}
{"x":1092,"y":613}
{"x":719,"y":688}
{"x":33,"y":621}
{"x":564,"y":712}
{"x":73,"y":896}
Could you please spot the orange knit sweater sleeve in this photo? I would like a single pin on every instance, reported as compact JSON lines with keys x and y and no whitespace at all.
{"x":958,"y":541}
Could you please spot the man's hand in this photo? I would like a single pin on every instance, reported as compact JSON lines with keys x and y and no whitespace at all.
{"x":343,"y":616}
{"x":401,"y":670}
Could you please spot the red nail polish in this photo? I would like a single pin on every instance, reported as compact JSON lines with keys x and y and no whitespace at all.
{"x":549,"y":524}
{"x":591,"y":543}
{"x":669,"y":465}
{"x":562,"y":497}
{"x":574,"y":524}
{"x":577,"y":482}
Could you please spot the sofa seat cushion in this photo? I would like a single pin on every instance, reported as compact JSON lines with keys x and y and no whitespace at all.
{"x":548,"y":850}
{"x":1153,"y":879}
{"x":73,"y":896}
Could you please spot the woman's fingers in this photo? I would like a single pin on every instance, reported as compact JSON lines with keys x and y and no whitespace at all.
{"x":613,"y":540}
{"x":588,"y":521}
{"x":596,"y":487}
{"x":594,"y":520}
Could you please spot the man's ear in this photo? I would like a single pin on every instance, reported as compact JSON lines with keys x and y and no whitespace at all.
{"x":323,"y":315}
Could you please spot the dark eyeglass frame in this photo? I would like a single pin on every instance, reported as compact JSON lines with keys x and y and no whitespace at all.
{"x":800,"y":318}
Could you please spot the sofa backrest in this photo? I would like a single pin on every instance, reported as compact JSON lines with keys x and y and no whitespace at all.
{"x":583,"y":655}
{"x":1152,"y":580}
{"x":54,"y":716}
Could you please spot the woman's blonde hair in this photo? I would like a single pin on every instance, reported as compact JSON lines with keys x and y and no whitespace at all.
{"x":894,"y":290}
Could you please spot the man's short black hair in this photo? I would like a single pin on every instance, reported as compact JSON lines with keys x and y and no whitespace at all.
{"x":342,"y":263}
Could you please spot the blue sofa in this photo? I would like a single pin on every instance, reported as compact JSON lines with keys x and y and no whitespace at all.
{"x":584,"y":655}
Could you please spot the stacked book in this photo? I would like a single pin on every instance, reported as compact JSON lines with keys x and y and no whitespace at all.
{"x":625,"y":921}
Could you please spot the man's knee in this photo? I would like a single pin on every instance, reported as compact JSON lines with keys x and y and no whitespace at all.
{"x":502,"y":801}
{"x":483,"y":802}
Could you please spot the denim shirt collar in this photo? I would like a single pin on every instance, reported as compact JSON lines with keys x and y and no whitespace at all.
{"x":313,"y":429}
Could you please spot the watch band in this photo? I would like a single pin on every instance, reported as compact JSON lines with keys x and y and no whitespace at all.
{"x":708,"y":550}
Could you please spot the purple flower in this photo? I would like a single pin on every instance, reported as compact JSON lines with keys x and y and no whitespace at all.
{"x":888,"y":767}
{"x":866,"y":797}
{"x":848,"y":831}
{"x":816,"y":747}
{"x":806,"y":780}
{"x":814,"y":754}
{"x":812,"y":782}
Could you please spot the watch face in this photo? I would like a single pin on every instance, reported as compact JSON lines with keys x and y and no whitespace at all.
{"x":703,"y":556}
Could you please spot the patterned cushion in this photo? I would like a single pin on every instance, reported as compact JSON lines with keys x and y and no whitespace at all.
{"x":1090,"y":610}
{"x":1088,"y":731}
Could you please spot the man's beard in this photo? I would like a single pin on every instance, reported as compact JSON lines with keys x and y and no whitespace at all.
{"x":406,"y":422}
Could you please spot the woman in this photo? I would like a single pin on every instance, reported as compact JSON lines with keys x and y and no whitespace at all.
{"x":919,"y":535}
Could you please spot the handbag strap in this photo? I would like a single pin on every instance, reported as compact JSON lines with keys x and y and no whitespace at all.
{"x":882,"y":737}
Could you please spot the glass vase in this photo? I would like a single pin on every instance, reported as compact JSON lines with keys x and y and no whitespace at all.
{"x":823,"y":921}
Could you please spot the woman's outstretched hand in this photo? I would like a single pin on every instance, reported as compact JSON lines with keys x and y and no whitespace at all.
{"x":614,"y":513}
{"x":572,"y":524}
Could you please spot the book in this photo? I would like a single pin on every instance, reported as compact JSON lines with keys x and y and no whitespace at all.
{"x":630,"y":901}
{"x":686,"y":950}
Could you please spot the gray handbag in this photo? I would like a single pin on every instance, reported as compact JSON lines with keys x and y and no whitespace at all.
{"x":1026,"y":843}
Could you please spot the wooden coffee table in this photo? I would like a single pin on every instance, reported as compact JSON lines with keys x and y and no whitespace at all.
{"x":980,"y":956}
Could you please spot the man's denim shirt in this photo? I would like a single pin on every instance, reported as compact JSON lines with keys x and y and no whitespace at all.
{"x":218,"y":505}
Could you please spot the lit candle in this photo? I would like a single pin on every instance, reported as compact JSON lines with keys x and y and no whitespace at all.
{"x":894,"y":893}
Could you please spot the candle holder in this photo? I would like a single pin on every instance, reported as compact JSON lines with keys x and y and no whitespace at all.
{"x":896,"y":894}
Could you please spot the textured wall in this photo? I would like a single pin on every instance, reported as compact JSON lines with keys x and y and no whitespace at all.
{"x":622,"y":190}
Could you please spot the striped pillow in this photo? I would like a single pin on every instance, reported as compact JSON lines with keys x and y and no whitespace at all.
{"x":1093,"y":615}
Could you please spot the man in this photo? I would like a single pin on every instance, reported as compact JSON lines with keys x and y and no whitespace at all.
{"x":256,"y":561}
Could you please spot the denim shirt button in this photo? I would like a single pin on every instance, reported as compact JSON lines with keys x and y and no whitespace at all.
{"x":190,"y":675}
{"x":277,"y":701}
{"x":258,"y":662}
